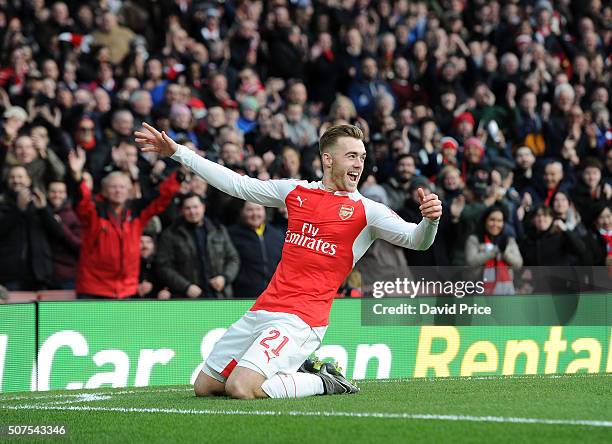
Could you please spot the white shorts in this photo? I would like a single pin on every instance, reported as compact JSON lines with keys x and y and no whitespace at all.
{"x":265,"y":342}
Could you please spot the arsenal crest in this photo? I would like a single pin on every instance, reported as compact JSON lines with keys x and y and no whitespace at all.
{"x":345,"y":212}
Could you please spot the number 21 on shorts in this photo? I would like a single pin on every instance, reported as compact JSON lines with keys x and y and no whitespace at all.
{"x":273,"y":335}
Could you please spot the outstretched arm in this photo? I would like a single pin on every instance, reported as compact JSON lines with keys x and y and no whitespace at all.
{"x":389,"y":226}
{"x":270,"y":193}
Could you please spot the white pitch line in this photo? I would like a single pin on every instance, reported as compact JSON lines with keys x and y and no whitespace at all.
{"x":470,"y":418}
{"x":481,"y":378}
{"x":76,"y":395}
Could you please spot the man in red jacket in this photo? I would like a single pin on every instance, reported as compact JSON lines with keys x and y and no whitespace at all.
{"x":109,"y":262}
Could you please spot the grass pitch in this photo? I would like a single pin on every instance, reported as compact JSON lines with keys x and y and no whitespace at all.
{"x":491,"y":409}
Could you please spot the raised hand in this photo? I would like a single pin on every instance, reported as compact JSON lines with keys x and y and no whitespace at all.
{"x":39,"y":199}
{"x":76,"y":162}
{"x":154,"y":141}
{"x":430,"y":207}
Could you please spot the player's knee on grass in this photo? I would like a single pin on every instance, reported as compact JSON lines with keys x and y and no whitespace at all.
{"x":245,"y":383}
{"x":205,"y":385}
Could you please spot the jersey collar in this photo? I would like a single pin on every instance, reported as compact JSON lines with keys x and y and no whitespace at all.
{"x":355,"y":195}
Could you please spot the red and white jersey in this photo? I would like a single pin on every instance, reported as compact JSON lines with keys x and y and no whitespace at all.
{"x":327,"y":234}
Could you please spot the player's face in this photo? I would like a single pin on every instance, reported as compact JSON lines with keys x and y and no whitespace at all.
{"x":347,"y":162}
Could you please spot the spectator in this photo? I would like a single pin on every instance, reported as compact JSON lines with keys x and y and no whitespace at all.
{"x":141,"y":105}
{"x":298,"y":129}
{"x":543,"y":192}
{"x":14,"y":119}
{"x":248,"y":118}
{"x":290,"y":163}
{"x":607,"y":173}
{"x":447,"y":110}
{"x":524,"y":173}
{"x":464,"y":125}
{"x":473,"y":158}
{"x":25,"y":256}
{"x":591,"y":191}
{"x":401,"y":86}
{"x":148,"y":286}
{"x":450,"y":184}
{"x":260,"y":246}
{"x":495,"y":253}
{"x":350,"y":58}
{"x":217,"y":93}
{"x":599,"y":239}
{"x":366,"y":88}
{"x":181,"y":124}
{"x":397,"y":187}
{"x":600,"y":130}
{"x":428,"y":148}
{"x":529,"y":77}
{"x":195,"y":257}
{"x":64,"y":237}
{"x":382,"y":260}
{"x":555,"y":121}
{"x":113,"y":36}
{"x":286,"y":47}
{"x":42,"y":165}
{"x":342,"y":110}
{"x":438,"y":254}
{"x":323,"y":71}
{"x":109,"y":263}
{"x":528,"y":123}
{"x":122,"y":125}
{"x":549,"y":242}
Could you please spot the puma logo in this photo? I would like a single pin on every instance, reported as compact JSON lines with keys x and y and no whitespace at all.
{"x":301,"y":201}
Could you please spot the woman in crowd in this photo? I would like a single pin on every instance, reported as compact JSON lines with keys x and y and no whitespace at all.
{"x":495,"y":253}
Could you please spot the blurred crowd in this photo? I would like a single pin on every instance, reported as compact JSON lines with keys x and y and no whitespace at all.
{"x":501,"y":108}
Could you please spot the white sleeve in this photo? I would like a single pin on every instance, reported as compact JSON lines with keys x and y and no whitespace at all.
{"x":271,"y":193}
{"x":386,"y":224}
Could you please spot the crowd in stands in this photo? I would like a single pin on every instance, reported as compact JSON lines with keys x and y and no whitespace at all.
{"x":502,"y":108}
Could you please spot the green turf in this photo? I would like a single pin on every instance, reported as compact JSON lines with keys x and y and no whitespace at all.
{"x":580,"y":397}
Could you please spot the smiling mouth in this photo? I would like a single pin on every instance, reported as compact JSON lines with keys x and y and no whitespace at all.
{"x":353,"y":176}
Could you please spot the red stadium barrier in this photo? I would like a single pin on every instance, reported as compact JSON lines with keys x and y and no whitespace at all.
{"x":16,"y":297}
{"x":56,"y":295}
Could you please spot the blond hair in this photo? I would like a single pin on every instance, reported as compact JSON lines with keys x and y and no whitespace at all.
{"x":332,"y":134}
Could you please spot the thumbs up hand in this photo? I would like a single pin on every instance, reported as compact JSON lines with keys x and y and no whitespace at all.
{"x":431,"y":207}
